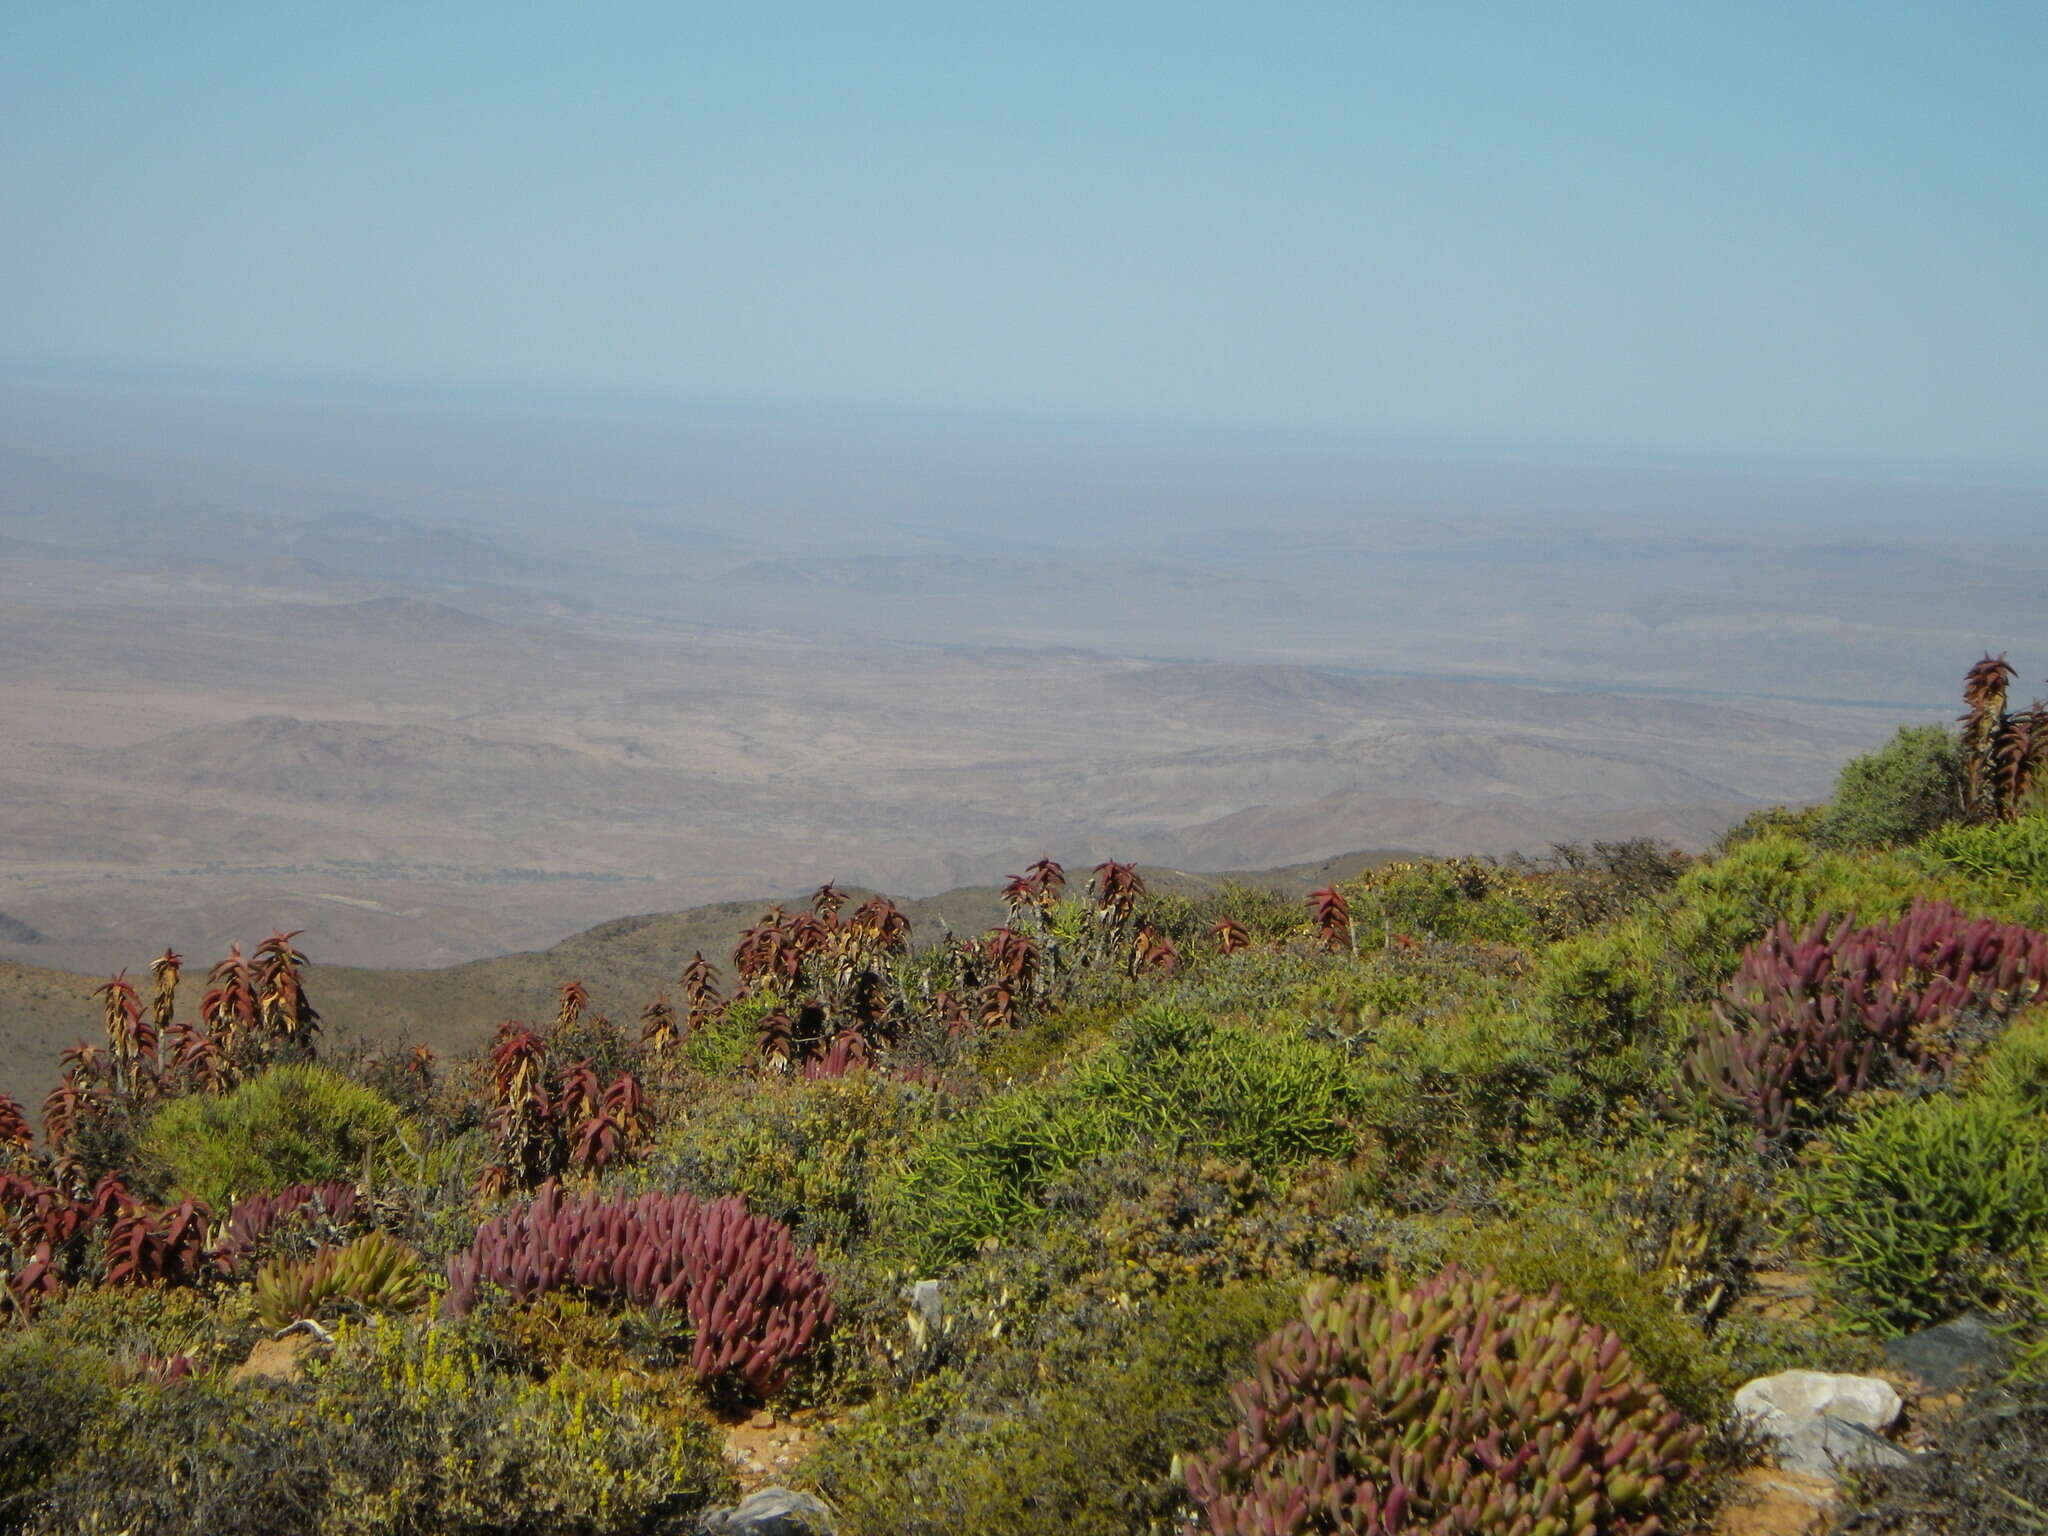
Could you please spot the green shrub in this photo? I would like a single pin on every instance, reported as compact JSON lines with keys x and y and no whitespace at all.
{"x":1772,"y":821}
{"x":819,"y":1156}
{"x":1897,"y":794}
{"x":2016,"y":1067}
{"x":1605,"y":991}
{"x":1169,"y":1077}
{"x":294,"y":1124}
{"x":1913,"y":1210}
{"x":1180,"y":1079}
{"x":1455,"y":901}
{"x":51,"y":1395}
{"x":2001,"y":853}
{"x":403,"y":1430}
{"x":125,"y":1322}
{"x":1456,"y":1097}
{"x":1091,"y":1453}
{"x":1721,"y":908}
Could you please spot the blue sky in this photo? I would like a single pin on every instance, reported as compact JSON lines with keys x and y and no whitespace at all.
{"x":1783,"y":228}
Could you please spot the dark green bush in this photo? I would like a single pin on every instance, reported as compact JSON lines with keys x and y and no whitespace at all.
{"x":52,"y":1393}
{"x":295,"y":1124}
{"x":404,"y":1431}
{"x":1897,"y":794}
{"x":1089,"y":1453}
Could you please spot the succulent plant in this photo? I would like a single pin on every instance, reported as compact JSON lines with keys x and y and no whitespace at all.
{"x":1230,"y":935}
{"x":1331,"y":913}
{"x":1814,"y":1017}
{"x":16,"y":1134}
{"x":256,"y":1217}
{"x":754,"y":1298}
{"x":167,"y":1247}
{"x":1461,"y":1405}
{"x":375,"y":1272}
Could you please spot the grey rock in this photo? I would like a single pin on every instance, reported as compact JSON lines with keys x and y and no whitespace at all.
{"x":1828,"y":1446}
{"x":1821,"y":1423}
{"x":1946,"y":1357}
{"x":770,"y":1512}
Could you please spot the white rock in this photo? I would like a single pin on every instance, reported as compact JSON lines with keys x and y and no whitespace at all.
{"x":1781,"y":1403}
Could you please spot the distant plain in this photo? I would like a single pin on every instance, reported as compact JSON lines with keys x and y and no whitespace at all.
{"x":440,"y":680}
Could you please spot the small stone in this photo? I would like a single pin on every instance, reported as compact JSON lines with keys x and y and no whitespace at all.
{"x":763,"y":1420}
{"x":771,"y":1512}
{"x":1947,"y":1356}
{"x":924,"y":1301}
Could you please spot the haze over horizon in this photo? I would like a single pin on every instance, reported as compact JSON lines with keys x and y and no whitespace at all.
{"x":1807,"y":230}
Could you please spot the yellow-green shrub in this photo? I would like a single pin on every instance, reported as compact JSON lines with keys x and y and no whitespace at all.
{"x":295,"y":1124}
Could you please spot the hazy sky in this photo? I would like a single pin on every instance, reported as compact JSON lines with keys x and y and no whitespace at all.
{"x":1769,"y":227}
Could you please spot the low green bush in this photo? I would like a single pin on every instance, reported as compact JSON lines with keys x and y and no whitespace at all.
{"x":1720,"y":908}
{"x":819,"y":1156}
{"x":1605,"y":990}
{"x":52,"y":1393}
{"x":294,"y":1124}
{"x":1169,"y":1077}
{"x":1092,"y":1452}
{"x":2009,"y":855}
{"x":1913,"y":1210}
{"x":1454,"y":901}
{"x":402,"y":1431}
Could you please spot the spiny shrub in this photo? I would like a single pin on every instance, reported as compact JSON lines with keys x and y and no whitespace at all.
{"x":1913,"y":1209}
{"x":1459,"y":1405}
{"x":755,"y":1299}
{"x":1810,"y":1019}
{"x":295,"y":1124}
{"x":375,"y":1273}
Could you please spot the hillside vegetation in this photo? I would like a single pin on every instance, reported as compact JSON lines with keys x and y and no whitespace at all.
{"x":1442,"y":1200}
